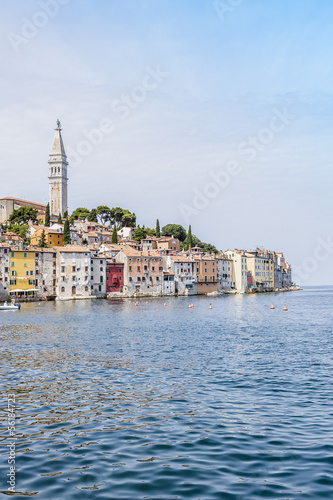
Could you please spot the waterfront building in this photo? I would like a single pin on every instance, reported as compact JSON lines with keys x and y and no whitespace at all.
{"x":224,"y":272}
{"x":58,"y":175}
{"x":206,"y":273}
{"x":114,"y":276}
{"x":143,"y":272}
{"x":98,"y":275}
{"x":4,"y":271}
{"x":239,"y":268}
{"x":261,"y":265}
{"x":22,"y":272}
{"x":73,"y":272}
{"x":45,"y":272}
{"x":185,"y":273}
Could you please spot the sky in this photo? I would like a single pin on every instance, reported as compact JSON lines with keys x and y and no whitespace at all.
{"x":212,"y":113}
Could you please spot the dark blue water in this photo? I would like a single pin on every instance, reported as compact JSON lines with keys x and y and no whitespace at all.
{"x":119,"y":402}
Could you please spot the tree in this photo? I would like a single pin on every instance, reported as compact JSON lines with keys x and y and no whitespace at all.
{"x":67,"y":233}
{"x":189,"y":240}
{"x":141,"y":233}
{"x":65,"y":214}
{"x":158,"y":231}
{"x":103,"y":212}
{"x":81,"y":213}
{"x":59,"y":219}
{"x":128,"y":219}
{"x":114,"y":235}
{"x":71,"y":219}
{"x":93,"y":215}
{"x":175,"y":230}
{"x":42,"y":240}
{"x":47,"y":216}
{"x":23,"y":215}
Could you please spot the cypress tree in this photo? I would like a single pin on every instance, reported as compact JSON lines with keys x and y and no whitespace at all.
{"x":59,"y":219}
{"x":114,"y":235}
{"x":158,"y":231}
{"x":65,"y":214}
{"x":67,"y":233}
{"x":42,"y":240}
{"x":47,"y":216}
{"x":189,"y":240}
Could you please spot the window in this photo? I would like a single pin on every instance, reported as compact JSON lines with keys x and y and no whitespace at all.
{"x":86,"y":269}
{"x":31,"y":282}
{"x":138,"y":268}
{"x":86,"y":288}
{"x":73,"y":269}
{"x":160,"y":268}
{"x":12,"y":264}
{"x":153,"y":268}
{"x":12,"y":282}
{"x":27,"y":273}
{"x":101,"y":279}
{"x":130,"y":268}
{"x":101,"y":262}
{"x":62,"y":269}
{"x":130,"y":278}
{"x":138,"y":278}
{"x":63,"y":278}
{"x":13,"y":254}
{"x":74,"y":278}
{"x":157,"y":278}
{"x":120,"y":270}
{"x":25,"y":255}
{"x":119,"y":278}
{"x":101,"y":269}
{"x":62,"y":289}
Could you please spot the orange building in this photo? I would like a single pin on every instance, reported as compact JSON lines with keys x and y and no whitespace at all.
{"x":53,"y":237}
{"x":206,"y":273}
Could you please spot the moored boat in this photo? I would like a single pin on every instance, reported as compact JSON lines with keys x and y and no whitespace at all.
{"x":10,"y":307}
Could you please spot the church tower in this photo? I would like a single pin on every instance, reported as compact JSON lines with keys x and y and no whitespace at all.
{"x":58,"y":175}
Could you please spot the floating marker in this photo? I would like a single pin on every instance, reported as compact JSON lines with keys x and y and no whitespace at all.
{"x":285,"y":308}
{"x":272,"y":307}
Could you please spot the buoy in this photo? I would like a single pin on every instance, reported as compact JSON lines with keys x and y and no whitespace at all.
{"x":210,"y":307}
{"x":136,"y":303}
{"x":130,"y":302}
{"x":146,"y":302}
{"x":164,"y":304}
{"x":189,"y":306}
{"x":285,"y":308}
{"x":272,"y":307}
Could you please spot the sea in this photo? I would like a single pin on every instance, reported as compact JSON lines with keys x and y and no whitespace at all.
{"x":111,"y":400}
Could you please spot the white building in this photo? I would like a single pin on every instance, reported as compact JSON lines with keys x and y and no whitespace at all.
{"x":73,"y":272}
{"x":98,"y":275}
{"x":4,"y":271}
{"x":185,"y":273}
{"x":239,"y":268}
{"x":224,"y":273}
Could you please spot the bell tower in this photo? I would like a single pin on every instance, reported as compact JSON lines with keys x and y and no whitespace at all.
{"x":58,"y":175}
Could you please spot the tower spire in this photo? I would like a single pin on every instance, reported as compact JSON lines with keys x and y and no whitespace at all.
{"x":58,"y":174}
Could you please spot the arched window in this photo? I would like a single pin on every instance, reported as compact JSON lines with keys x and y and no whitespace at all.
{"x":62,"y":289}
{"x":59,"y":170}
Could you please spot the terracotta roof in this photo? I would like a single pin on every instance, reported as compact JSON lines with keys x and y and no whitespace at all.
{"x":25,"y":201}
{"x":73,"y":249}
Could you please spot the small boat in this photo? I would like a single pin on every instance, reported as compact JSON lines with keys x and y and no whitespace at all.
{"x":10,"y":307}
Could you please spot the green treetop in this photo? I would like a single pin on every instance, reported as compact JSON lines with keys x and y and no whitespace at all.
{"x":47,"y":216}
{"x":67,"y":233}
{"x":158,"y":231}
{"x":114,"y":235}
{"x":42,"y":240}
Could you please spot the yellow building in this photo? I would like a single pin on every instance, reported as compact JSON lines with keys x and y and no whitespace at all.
{"x":53,"y":237}
{"x":261,"y":265}
{"x":22,"y":272}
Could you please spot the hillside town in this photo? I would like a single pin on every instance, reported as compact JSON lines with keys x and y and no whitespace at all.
{"x":60,"y":257}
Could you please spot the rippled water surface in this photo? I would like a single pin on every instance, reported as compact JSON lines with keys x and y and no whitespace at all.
{"x":115,"y":401}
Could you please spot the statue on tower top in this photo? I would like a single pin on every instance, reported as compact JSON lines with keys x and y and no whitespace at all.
{"x":58,"y":124}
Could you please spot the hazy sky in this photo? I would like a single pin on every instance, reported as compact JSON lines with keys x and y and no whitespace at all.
{"x":214,"y":114}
